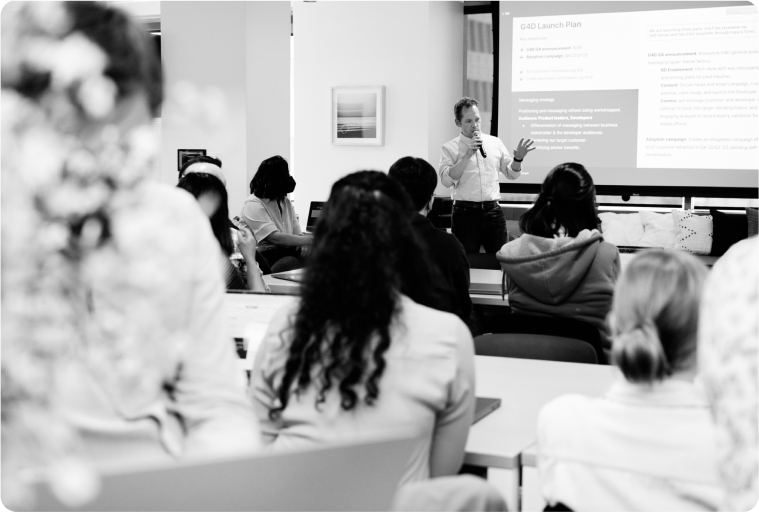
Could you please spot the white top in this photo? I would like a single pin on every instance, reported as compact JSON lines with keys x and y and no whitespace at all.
{"x":263,"y":217}
{"x":479,"y":182}
{"x":728,"y":345}
{"x":188,"y":395}
{"x":637,"y":448}
{"x":427,"y":386}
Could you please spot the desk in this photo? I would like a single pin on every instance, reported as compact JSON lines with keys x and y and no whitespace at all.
{"x":524,"y":386}
{"x":488,"y":282}
{"x":282,"y":286}
{"x":532,"y":499}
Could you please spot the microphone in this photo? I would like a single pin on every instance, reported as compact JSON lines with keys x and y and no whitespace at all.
{"x":482,"y":150}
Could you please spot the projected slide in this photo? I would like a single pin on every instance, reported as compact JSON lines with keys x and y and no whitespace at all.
{"x":664,"y":89}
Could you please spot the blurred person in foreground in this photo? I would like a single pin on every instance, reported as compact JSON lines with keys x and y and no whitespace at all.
{"x":112,"y":335}
{"x":363,"y":353}
{"x":728,"y":349}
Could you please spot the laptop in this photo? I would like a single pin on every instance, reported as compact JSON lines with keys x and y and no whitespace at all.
{"x":484,"y":406}
{"x":246,"y":318}
{"x":357,"y":475}
{"x":314,"y":210}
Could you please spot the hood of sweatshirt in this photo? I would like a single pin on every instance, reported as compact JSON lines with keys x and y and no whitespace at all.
{"x":549,"y":269}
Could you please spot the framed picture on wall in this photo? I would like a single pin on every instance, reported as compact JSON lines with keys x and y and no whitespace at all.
{"x":358,"y":116}
{"x":185,"y":154}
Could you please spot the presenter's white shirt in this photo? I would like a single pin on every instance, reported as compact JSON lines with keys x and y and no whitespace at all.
{"x":479,"y":182}
{"x":638,"y":447}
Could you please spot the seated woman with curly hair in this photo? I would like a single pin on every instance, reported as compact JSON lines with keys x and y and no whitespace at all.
{"x":362,"y":352}
{"x":271,"y":216}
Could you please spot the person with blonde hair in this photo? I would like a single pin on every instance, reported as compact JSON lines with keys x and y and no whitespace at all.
{"x":649,"y":442}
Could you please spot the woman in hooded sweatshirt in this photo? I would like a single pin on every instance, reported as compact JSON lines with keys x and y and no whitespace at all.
{"x":561,"y":266}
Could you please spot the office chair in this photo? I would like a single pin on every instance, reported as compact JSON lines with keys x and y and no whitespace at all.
{"x":546,"y":334}
{"x":535,"y":346}
{"x":440,"y":214}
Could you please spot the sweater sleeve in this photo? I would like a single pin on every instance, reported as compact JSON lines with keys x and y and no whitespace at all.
{"x":452,"y":425}
{"x":265,"y":376}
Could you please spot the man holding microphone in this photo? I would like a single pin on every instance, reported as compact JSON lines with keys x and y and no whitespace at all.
{"x":470,"y":164}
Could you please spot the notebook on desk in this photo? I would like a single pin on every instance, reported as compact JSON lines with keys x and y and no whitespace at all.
{"x":358,"y":475}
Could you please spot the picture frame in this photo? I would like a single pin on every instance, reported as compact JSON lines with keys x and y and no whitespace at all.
{"x":185,"y":154}
{"x":358,"y":116}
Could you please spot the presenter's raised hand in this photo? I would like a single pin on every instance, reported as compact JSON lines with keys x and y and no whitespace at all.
{"x":524,"y":147}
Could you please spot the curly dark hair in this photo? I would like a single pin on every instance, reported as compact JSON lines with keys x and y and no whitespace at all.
{"x":463,"y":103}
{"x":567,"y":198}
{"x":200,"y":183}
{"x":272,"y":179}
{"x":365,"y":254}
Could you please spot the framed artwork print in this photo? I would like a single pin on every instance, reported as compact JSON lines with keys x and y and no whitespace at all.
{"x":185,"y":154}
{"x":358,"y":116}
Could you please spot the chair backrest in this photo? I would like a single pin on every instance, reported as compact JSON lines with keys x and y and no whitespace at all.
{"x":440,"y":213}
{"x":555,"y":326}
{"x":483,"y":260}
{"x":535,"y":346}
{"x":350,"y":475}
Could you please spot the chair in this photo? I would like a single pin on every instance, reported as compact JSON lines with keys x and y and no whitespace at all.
{"x":543,"y":337}
{"x":535,"y":346}
{"x":483,"y":260}
{"x":440,"y":213}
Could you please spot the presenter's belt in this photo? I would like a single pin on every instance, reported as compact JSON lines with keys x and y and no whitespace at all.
{"x":475,"y":205}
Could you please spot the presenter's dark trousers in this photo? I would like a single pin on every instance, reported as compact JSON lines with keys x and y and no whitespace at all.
{"x":476,"y":224}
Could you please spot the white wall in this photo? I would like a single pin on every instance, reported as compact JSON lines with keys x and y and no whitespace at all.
{"x":446,"y":64}
{"x":414,"y":49}
{"x":203,"y":44}
{"x":236,"y":55}
{"x":268,"y":82}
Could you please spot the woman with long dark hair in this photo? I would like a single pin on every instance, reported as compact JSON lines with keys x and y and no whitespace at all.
{"x":212,"y":197}
{"x":270,"y":215}
{"x":561,"y":266}
{"x":360,"y":353}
